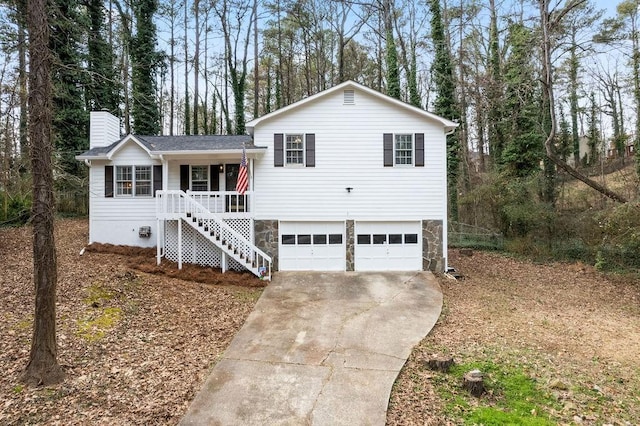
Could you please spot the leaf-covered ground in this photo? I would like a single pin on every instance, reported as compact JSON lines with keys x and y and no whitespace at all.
{"x":574,"y":331}
{"x":137,"y":346}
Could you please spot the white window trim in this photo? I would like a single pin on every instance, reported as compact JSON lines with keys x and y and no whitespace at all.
{"x":133,"y":181}
{"x":413,"y":150}
{"x":303,"y":137}
{"x":208,"y":170}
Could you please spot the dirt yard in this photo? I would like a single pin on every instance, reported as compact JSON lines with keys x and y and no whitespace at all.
{"x":573,"y":330}
{"x":137,"y":343}
{"x":136,"y":347}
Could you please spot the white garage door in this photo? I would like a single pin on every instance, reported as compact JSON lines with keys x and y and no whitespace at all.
{"x":388,"y":246}
{"x":312,"y":246}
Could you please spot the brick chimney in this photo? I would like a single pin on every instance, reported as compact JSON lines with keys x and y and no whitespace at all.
{"x":104,"y":129}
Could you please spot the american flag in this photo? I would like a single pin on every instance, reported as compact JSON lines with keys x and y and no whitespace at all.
{"x":243,"y":181}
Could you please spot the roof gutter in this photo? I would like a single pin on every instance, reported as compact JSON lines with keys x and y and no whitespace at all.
{"x":258,"y":150}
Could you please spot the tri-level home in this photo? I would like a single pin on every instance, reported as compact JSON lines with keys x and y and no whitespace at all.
{"x":348,"y":179}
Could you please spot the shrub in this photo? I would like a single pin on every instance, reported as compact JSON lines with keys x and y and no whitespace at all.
{"x":15,"y":209}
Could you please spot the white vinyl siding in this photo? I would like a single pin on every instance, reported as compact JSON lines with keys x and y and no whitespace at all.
{"x":117,"y":220}
{"x":349,"y":154}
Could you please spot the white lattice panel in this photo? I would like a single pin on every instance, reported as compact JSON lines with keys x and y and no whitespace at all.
{"x":199,"y":250}
{"x":242,"y":226}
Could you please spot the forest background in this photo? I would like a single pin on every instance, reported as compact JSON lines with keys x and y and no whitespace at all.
{"x":206,"y":67}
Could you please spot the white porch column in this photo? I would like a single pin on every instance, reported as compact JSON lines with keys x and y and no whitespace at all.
{"x":158,"y":252}
{"x":252,"y":196}
{"x":223,"y":262}
{"x":165,"y":173}
{"x":179,"y":243}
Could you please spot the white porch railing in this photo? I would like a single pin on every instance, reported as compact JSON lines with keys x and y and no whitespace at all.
{"x":175,"y":204}
{"x":225,"y":204}
{"x":222,"y":202}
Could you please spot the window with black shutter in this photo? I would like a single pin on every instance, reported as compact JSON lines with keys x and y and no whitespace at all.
{"x":419,"y":144}
{"x":278,"y":150}
{"x":310,"y":150}
{"x":108,"y":181}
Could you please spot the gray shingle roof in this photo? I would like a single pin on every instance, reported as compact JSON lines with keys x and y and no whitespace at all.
{"x":182,"y":143}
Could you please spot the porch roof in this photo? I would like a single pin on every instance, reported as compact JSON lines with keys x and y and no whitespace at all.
{"x":159,"y":145}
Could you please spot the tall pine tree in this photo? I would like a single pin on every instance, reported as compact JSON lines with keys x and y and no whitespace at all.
{"x":393,"y":72}
{"x":103,"y":91}
{"x":523,"y":101}
{"x":144,"y":62}
{"x":70,"y":118}
{"x":445,"y":103}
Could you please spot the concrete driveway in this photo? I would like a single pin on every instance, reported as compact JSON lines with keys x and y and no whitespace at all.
{"x":320,"y":349}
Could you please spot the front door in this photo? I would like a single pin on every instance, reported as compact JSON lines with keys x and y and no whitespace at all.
{"x":234,"y":203}
{"x":231,"y":176}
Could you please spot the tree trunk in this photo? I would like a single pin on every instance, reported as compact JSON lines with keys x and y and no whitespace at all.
{"x":43,"y":368}
{"x":196,"y":67}
{"x":187,"y":112}
{"x":440,"y":363}
{"x":22,"y":78}
{"x":256,"y":62}
{"x":548,"y":93}
{"x":473,"y":383}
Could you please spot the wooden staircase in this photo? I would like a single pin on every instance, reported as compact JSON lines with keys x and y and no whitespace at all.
{"x":218,"y":232}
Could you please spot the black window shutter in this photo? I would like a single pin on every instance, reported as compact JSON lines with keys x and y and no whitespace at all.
{"x":157,"y":179}
{"x":278,"y":150}
{"x":184,"y":177}
{"x":214,"y":178}
{"x":108,"y":181}
{"x":419,"y":144}
{"x":310,"y":150}
{"x":388,"y":149}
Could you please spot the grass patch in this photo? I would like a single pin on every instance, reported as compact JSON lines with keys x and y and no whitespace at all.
{"x":25,"y":323}
{"x":97,"y":294}
{"x":512,"y":396}
{"x":248,"y":295}
{"x":94,"y":328}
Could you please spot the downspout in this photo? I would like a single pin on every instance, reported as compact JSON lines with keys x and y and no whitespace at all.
{"x":88,"y":163}
{"x":445,"y":222}
{"x":160,"y":243}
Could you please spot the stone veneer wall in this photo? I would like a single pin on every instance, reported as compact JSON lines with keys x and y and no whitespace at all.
{"x":266,"y":239}
{"x":432,"y":251}
{"x":350,"y":266}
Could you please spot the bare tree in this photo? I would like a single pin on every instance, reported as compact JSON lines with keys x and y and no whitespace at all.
{"x":550,"y":20}
{"x":43,"y":368}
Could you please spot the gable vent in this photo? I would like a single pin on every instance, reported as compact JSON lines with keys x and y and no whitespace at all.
{"x":349,"y":97}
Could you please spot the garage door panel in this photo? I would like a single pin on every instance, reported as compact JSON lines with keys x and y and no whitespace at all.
{"x":312,"y":246}
{"x":388,"y":246}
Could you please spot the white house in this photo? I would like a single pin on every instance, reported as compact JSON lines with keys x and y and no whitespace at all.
{"x":347,"y":179}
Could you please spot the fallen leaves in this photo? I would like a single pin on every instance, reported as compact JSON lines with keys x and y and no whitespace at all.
{"x":568,"y":324}
{"x":136,"y":347}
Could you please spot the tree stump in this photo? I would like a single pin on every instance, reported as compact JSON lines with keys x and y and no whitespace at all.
{"x":440,"y":363}
{"x":473,"y":383}
{"x":466,"y":252}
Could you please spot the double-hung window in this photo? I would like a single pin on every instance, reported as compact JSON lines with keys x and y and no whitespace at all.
{"x":294,"y":150}
{"x":199,"y":178}
{"x":403,"y":149}
{"x":124,"y":180}
{"x":143,"y":181}
{"x":134,"y":181}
